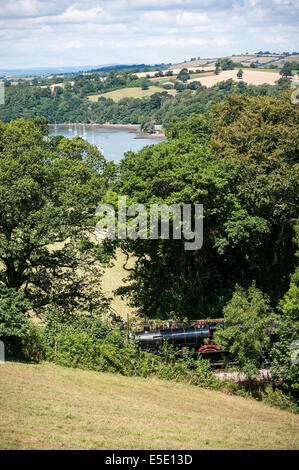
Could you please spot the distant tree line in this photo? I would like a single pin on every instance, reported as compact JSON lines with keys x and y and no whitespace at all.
{"x":71,"y":103}
{"x":240,"y":160}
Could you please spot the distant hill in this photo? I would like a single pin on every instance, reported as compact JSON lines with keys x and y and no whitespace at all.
{"x":109,"y":68}
{"x":260,"y":60}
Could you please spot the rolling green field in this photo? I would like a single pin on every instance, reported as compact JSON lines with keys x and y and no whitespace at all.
{"x":135,"y":92}
{"x":112,"y":279}
{"x":50,"y":407}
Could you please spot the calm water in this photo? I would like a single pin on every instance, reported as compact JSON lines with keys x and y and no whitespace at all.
{"x":114,"y":142}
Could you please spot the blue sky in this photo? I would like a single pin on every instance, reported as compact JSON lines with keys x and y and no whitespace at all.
{"x":50,"y":33}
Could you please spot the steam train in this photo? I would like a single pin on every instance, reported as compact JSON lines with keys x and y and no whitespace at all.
{"x":198,"y":339}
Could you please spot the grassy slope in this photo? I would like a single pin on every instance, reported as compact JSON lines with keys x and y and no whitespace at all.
{"x":112,"y":279}
{"x":135,"y":92}
{"x":47,"y":406}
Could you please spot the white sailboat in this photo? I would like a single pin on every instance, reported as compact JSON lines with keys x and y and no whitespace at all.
{"x":70,"y":128}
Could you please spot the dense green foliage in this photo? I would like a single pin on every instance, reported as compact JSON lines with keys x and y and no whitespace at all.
{"x":71,"y":103}
{"x":89,"y":342}
{"x":289,"y":305}
{"x":249,"y":325}
{"x":284,"y":357}
{"x":260,"y":136}
{"x":239,"y":159}
{"x":242,"y":166}
{"x":49,"y":189}
{"x":79,"y":348}
{"x":288,"y":67}
{"x":225,"y":64}
{"x":183,"y":75}
{"x":14,"y":324}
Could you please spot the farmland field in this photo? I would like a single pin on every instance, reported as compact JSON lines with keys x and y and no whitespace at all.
{"x":135,"y":92}
{"x":112,"y":279}
{"x":50,"y":407}
{"x":251,"y":77}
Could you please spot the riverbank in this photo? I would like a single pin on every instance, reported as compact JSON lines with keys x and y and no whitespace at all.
{"x":134,"y":128}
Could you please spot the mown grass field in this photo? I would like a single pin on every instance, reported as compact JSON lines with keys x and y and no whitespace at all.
{"x":112,"y":279}
{"x":50,"y":407}
{"x":135,"y":92}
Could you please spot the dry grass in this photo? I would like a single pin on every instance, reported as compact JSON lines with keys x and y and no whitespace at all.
{"x":50,"y":407}
{"x":251,"y":77}
{"x":135,"y":92}
{"x":207,"y":68}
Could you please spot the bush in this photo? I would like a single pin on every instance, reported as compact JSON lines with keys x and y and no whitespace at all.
{"x":276,"y":397}
{"x":289,"y":305}
{"x":14,"y":324}
{"x":284,"y":370}
{"x":75,"y":346}
{"x":261,"y":391}
{"x":184,"y":369}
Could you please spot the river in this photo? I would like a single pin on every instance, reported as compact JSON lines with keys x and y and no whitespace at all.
{"x":114,"y":142}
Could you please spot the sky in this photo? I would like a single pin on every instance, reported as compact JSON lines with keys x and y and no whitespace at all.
{"x":48,"y":33}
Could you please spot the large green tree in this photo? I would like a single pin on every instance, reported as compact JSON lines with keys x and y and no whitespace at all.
{"x":242,"y":166}
{"x":49,"y":189}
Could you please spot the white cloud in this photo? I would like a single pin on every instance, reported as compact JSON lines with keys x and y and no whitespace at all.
{"x":68,"y":32}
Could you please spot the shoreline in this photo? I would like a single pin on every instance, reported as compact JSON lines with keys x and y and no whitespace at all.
{"x":134,"y":128}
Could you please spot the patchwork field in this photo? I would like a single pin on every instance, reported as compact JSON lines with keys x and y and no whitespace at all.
{"x":135,"y":92}
{"x":291,"y":58}
{"x":243,"y":58}
{"x":50,"y":407}
{"x":251,"y":77}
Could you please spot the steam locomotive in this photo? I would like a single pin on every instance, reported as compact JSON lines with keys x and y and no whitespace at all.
{"x":194,"y":338}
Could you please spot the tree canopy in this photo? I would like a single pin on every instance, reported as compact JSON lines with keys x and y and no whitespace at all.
{"x":49,"y":189}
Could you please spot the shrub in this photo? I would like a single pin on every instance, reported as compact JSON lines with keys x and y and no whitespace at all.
{"x":284,"y":369}
{"x":276,"y":397}
{"x":14,"y":324}
{"x":261,"y":391}
{"x":168,"y":366}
